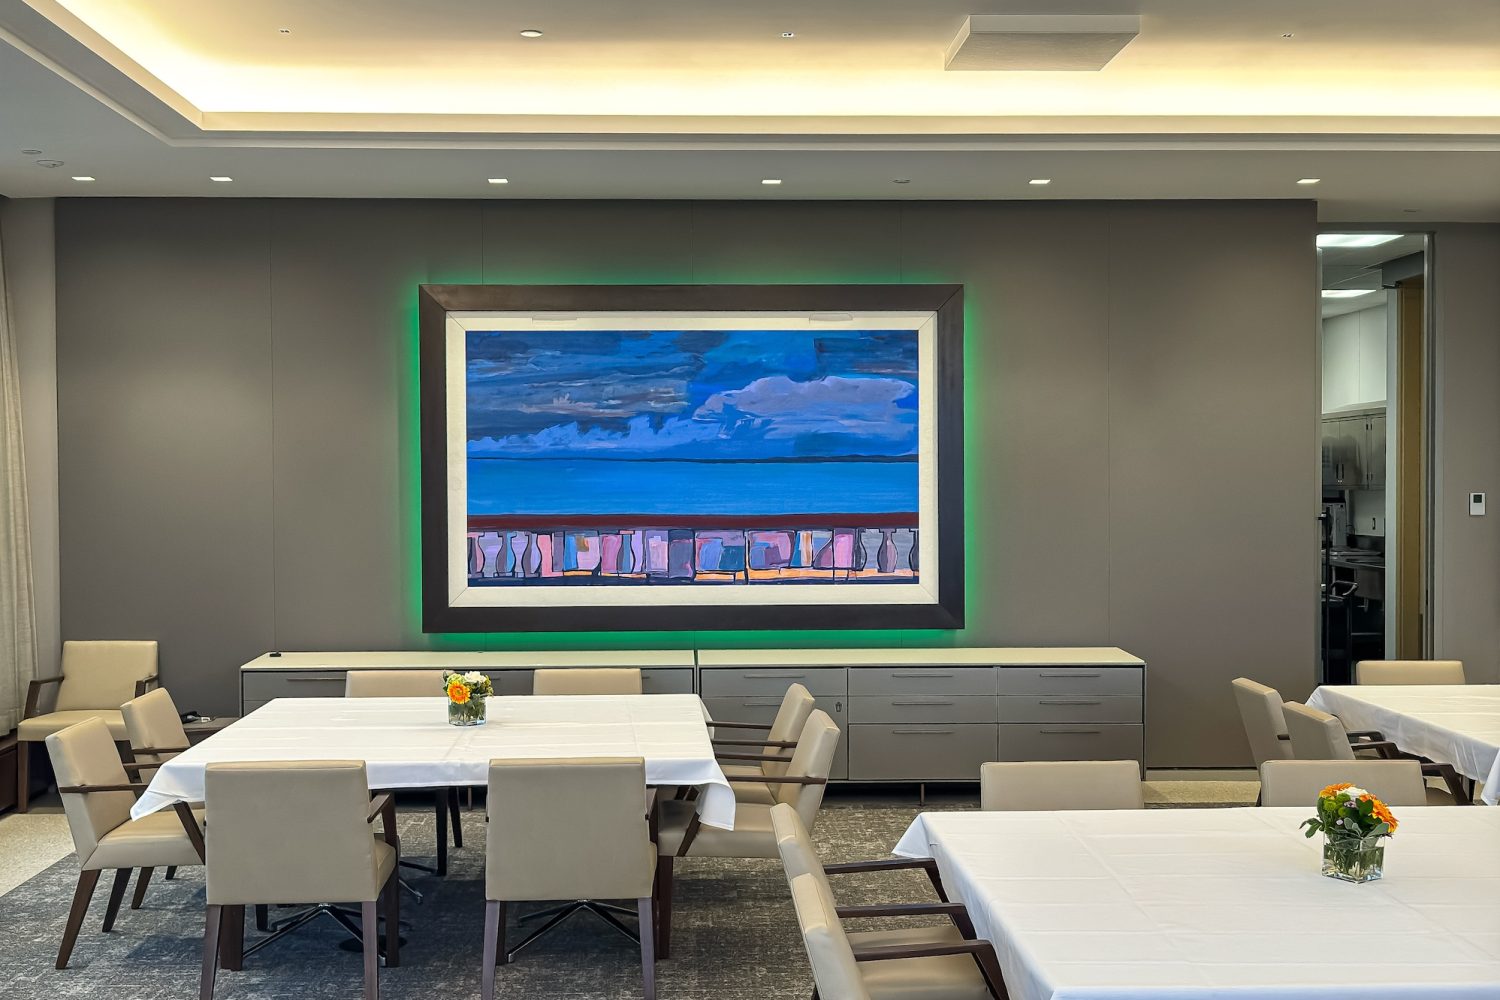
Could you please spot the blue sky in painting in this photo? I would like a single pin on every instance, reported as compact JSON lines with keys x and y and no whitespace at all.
{"x":738,"y":395}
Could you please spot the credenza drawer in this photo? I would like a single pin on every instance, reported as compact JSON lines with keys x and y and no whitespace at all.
{"x":921,"y":680}
{"x":265,"y":685}
{"x":1071,"y":680}
{"x":916,"y":752}
{"x":736,"y":681}
{"x":667,"y":680}
{"x":1064,"y":741}
{"x":509,"y":682}
{"x":921,"y":708}
{"x":1070,"y":708}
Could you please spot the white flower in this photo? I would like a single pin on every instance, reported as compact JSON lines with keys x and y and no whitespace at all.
{"x":473,"y":677}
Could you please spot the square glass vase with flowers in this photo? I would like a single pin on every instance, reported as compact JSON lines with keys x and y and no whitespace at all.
{"x":1354,"y":825}
{"x":467,"y":696}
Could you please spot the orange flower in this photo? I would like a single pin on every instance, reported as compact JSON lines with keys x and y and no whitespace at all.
{"x":1380,"y":811}
{"x":1333,"y":790}
{"x":458,"y":693}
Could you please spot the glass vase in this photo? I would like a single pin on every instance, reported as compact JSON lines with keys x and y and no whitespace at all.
{"x":1351,"y":859}
{"x":469,"y":713}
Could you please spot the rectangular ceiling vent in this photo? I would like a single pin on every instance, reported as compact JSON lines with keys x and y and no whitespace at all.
{"x":1041,"y":42}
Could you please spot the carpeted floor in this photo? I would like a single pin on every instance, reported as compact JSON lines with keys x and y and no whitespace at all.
{"x":734,"y":934}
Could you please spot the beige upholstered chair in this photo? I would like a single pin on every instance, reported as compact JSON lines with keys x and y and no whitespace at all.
{"x":97,"y":678}
{"x":1298,"y":782}
{"x":845,"y":968}
{"x":414,"y":684}
{"x":769,"y":753}
{"x":679,"y":834}
{"x":605,"y":680}
{"x":573,"y":829}
{"x":1260,"y":713}
{"x":297,"y":832}
{"x":1409,"y":672}
{"x":97,"y":797}
{"x":156,"y":736}
{"x":1060,"y":784}
{"x":1319,"y":736}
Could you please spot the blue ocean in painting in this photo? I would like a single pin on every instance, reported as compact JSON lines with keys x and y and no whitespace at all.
{"x":743,"y":422}
{"x":520,"y":486}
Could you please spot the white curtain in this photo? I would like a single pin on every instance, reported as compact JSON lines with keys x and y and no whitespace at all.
{"x":17,"y":613}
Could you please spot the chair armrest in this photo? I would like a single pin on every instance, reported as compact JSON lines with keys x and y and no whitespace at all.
{"x":889,"y":952}
{"x":1451,"y":778}
{"x":159,"y":749}
{"x":190,"y":824}
{"x":763,"y":727}
{"x":1385,"y":748}
{"x":135,"y":765}
{"x":1360,"y":735}
{"x":378,"y":805}
{"x":783,"y":744}
{"x":146,"y":684}
{"x":34,"y":694}
{"x":783,"y":780}
{"x":751,"y":756}
{"x":879,"y":865}
{"x":134,"y":786}
{"x":384,"y":806}
{"x":901,"y":910}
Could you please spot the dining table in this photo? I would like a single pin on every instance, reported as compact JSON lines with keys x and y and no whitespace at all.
{"x":409,"y":743}
{"x":1457,"y":724}
{"x":1221,"y":904}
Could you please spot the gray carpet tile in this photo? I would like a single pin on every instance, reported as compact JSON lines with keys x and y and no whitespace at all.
{"x":734,"y":933}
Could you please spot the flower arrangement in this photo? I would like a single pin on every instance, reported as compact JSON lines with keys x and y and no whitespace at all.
{"x":1353,"y":823}
{"x":466,"y":697}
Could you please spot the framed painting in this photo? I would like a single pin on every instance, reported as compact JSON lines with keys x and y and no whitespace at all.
{"x":694,"y":457}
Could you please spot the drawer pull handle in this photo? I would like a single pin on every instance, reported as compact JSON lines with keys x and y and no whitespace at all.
{"x":310,"y":680}
{"x":774,"y":677}
{"x":921,"y":732}
{"x":1069,"y":701}
{"x":761,"y":702}
{"x":919,"y":701}
{"x":1058,"y":674}
{"x":1072,"y":732}
{"x":917,"y":673}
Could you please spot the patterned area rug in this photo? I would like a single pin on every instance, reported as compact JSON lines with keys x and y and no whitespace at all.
{"x":734,"y":933}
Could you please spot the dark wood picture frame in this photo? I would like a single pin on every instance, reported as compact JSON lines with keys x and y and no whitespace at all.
{"x":945,"y":301}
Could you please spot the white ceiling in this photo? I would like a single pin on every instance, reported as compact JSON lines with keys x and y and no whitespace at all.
{"x":385,"y":98}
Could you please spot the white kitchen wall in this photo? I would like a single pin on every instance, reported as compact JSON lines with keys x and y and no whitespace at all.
{"x":1354,"y":358}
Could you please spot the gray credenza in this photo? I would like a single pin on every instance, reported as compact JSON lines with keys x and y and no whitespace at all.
{"x":907,"y":715}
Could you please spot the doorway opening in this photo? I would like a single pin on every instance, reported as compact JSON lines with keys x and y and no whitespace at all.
{"x":1375,"y":548}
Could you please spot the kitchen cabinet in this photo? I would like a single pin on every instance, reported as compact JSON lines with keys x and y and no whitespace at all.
{"x":1372,"y":463}
{"x":1354,"y":452}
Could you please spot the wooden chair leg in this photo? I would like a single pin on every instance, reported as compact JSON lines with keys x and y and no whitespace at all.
{"x":171,"y":872}
{"x":458,"y":830}
{"x":393,"y":920}
{"x":23,"y":778}
{"x":494,"y":951}
{"x":232,"y":938}
{"x":140,"y":888}
{"x":81,"y":896}
{"x":116,"y":894}
{"x":664,"y":907}
{"x":369,"y":923}
{"x":262,"y":916}
{"x":442,"y":836}
{"x":989,"y":968}
{"x":646,"y":908}
{"x":211,"y":932}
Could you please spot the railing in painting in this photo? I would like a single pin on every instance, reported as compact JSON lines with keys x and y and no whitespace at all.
{"x":512,"y":550}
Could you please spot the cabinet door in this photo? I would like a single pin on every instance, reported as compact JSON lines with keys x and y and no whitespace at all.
{"x":1350,"y":432}
{"x":1374,"y":462}
{"x":1330,"y":452}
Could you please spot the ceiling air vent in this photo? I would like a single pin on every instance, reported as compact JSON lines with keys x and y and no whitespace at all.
{"x":1040,"y":41}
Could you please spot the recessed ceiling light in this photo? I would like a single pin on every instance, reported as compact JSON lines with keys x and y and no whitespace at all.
{"x":530,"y":33}
{"x":788,"y":34}
{"x":1040,"y":180}
{"x":221,"y":180}
{"x":499,"y":180}
{"x":1289,"y":35}
{"x":85,"y":178}
{"x":1356,"y":239}
{"x":1309,"y":180}
{"x":31,"y":152}
{"x":901,"y":180}
{"x":283,"y":31}
{"x":770,"y":180}
{"x":1346,"y":293}
{"x":49,"y":164}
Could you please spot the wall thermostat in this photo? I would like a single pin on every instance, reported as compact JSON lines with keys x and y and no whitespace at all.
{"x":1476,"y":504}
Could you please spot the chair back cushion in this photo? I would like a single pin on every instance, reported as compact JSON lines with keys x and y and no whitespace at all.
{"x":289,"y":832}
{"x":796,"y":705}
{"x":102,"y":674}
{"x":1260,"y":712}
{"x":393,"y":684}
{"x":85,"y":754}
{"x":794,"y":843}
{"x":604,"y":680}
{"x":152,"y":720}
{"x":1409,"y":672}
{"x":835,"y":972}
{"x":1316,"y":735}
{"x":1060,"y":784}
{"x":1298,"y":782}
{"x":570,"y":828}
{"x":813,"y":758}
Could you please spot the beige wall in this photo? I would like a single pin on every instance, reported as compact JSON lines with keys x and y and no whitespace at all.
{"x":26,"y":233}
{"x":237,"y":400}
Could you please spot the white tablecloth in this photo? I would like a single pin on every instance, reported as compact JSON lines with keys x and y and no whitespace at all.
{"x":1214,"y":904}
{"x":1456,"y":724}
{"x":408,"y":743}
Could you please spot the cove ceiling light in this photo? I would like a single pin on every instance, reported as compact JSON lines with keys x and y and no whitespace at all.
{"x":1346,"y":293}
{"x":1356,"y":239}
